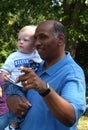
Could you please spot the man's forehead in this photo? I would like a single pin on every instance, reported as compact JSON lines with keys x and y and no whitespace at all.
{"x":43,"y":28}
{"x":45,"y":25}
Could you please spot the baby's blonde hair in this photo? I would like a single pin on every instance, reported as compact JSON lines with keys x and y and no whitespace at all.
{"x":30,"y":28}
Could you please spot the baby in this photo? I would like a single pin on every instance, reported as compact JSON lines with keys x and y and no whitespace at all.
{"x":26,"y":56}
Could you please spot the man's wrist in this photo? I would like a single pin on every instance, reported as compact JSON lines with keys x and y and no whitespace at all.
{"x":48,"y":89}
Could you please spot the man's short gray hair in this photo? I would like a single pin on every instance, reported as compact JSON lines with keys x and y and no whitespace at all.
{"x":59,"y":29}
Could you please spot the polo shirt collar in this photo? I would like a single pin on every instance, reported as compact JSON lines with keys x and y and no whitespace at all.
{"x":54,"y":67}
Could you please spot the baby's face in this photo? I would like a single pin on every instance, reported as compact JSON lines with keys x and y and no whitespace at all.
{"x":25,"y":42}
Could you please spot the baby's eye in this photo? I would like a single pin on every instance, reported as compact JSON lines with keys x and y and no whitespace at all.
{"x":26,"y":40}
{"x":19,"y":39}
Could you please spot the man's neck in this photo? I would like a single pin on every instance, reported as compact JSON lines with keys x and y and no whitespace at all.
{"x":49,"y":63}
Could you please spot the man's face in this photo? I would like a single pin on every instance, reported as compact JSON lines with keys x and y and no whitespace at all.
{"x":45,"y":42}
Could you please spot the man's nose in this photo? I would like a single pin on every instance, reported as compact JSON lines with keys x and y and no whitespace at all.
{"x":37,"y":42}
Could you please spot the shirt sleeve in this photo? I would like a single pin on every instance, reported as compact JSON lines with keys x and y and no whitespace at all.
{"x":74,"y":92}
{"x":8,"y":65}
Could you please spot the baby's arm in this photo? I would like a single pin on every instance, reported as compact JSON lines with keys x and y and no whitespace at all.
{"x":5,"y":76}
{"x":0,"y":91}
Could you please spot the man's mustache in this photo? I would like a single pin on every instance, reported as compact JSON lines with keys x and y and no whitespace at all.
{"x":40,"y":47}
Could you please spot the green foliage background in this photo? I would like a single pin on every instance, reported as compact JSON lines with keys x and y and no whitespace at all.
{"x":72,"y":13}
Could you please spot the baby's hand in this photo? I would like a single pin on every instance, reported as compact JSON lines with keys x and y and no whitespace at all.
{"x":5,"y":76}
{"x":0,"y":91}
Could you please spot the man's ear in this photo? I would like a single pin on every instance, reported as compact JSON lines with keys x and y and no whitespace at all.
{"x":61,"y":39}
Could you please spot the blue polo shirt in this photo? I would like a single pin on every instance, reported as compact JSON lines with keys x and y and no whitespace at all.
{"x":67,"y":79}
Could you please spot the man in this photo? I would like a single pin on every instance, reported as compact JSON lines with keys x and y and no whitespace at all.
{"x":57,"y":96}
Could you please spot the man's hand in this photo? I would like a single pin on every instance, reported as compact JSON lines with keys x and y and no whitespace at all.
{"x":18,"y":105}
{"x":31,"y":81}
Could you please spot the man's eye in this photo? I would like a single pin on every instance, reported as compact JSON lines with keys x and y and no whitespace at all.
{"x":42,"y":37}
